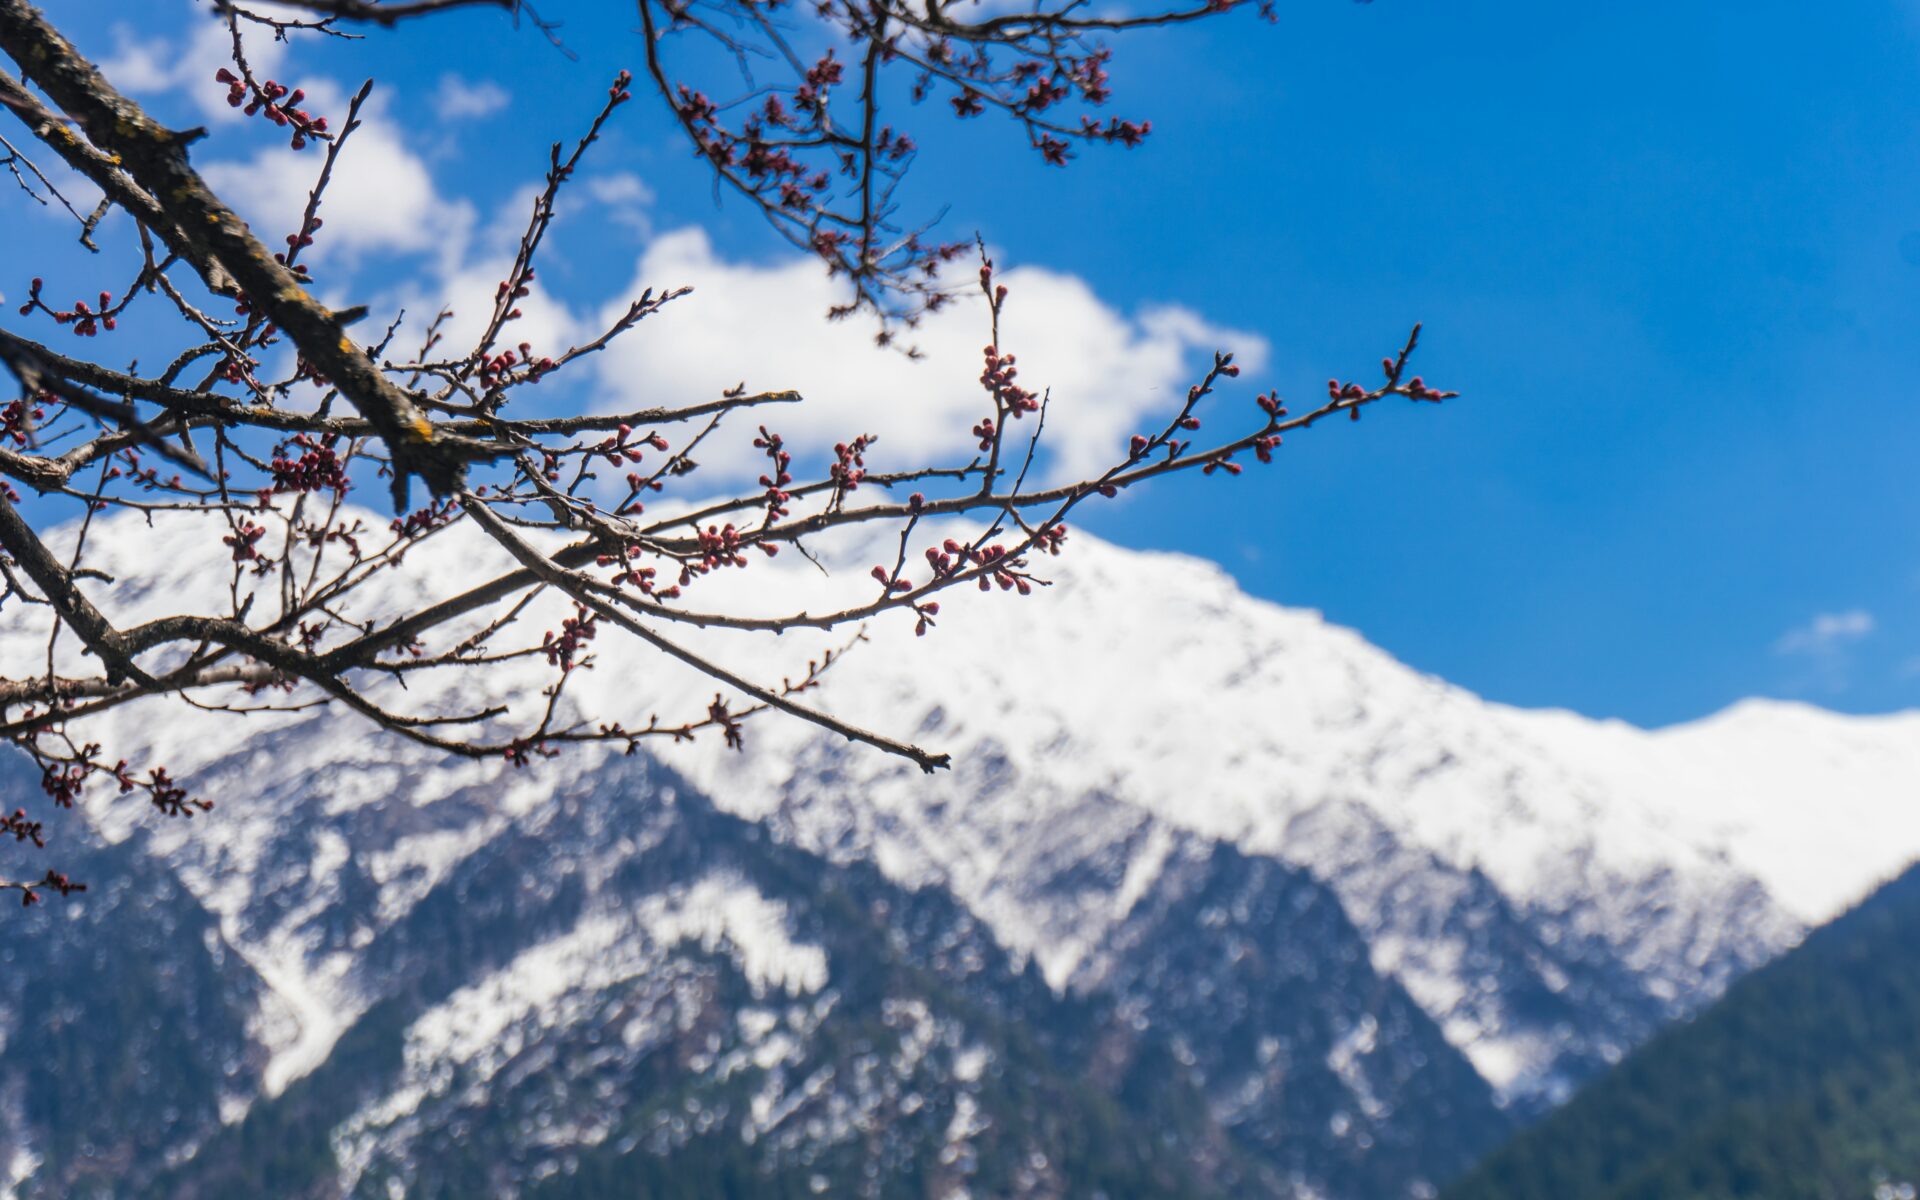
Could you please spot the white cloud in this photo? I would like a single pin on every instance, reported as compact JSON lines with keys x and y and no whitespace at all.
{"x":626,"y":198}
{"x":765,"y":325}
{"x":1826,"y":633}
{"x":459,"y":100}
{"x":621,"y":187}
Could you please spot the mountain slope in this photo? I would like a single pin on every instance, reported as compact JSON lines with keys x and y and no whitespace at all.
{"x":1154,"y":773}
{"x":626,"y":992}
{"x":125,"y":1025}
{"x":1803,"y":1081}
{"x":1618,"y":878}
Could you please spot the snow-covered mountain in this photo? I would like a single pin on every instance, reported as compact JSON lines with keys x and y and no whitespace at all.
{"x":1632,"y":873}
{"x":1336,"y":923}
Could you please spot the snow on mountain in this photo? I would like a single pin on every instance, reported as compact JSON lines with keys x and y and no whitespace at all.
{"x":1548,"y":888}
{"x":481,"y":1028}
{"x":1145,"y":693}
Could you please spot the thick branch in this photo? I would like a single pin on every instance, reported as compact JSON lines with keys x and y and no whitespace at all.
{"x":228,"y":409}
{"x":104,"y":173}
{"x":156,"y":158}
{"x":56,"y":585}
{"x":396,"y":10}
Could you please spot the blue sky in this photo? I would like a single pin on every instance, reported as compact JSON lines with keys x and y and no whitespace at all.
{"x":1669,"y":252}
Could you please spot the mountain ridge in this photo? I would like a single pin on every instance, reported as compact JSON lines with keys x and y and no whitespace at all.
{"x":1803,"y":1080}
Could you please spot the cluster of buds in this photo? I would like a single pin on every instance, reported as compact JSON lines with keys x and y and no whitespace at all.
{"x":728,"y":723}
{"x":984,"y":431}
{"x":169,"y":797}
{"x":495,"y":371}
{"x":317,"y":468}
{"x":56,"y":882}
{"x":997,"y":378}
{"x":924,"y":612}
{"x":1127,"y":133}
{"x":22,"y":829}
{"x":783,"y":144}
{"x":1000,"y":567}
{"x":770,"y":155}
{"x":1089,"y":75}
{"x":849,"y":463}
{"x":17,"y":417}
{"x":638,"y":483}
{"x":326,"y":535}
{"x":563,"y":648}
{"x":522,"y":751}
{"x":777,"y":477}
{"x":639,"y":578}
{"x":619,"y":450}
{"x":276,"y":103}
{"x":62,"y":782}
{"x":297,"y":242}
{"x":766,"y":163}
{"x":891,"y":582}
{"x":147,"y":478}
{"x":792,"y":195}
{"x":698,"y":108}
{"x":512,"y":290}
{"x":234,"y":368}
{"x":244,"y":539}
{"x":424,"y":520}
{"x":948,"y":557}
{"x":1352,"y":393}
{"x":893,"y":146}
{"x":86,"y":320}
{"x":719,"y":547}
{"x":1043,"y":92}
{"x":811,"y":96}
{"x":996,"y":563}
{"x":276,"y":681}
